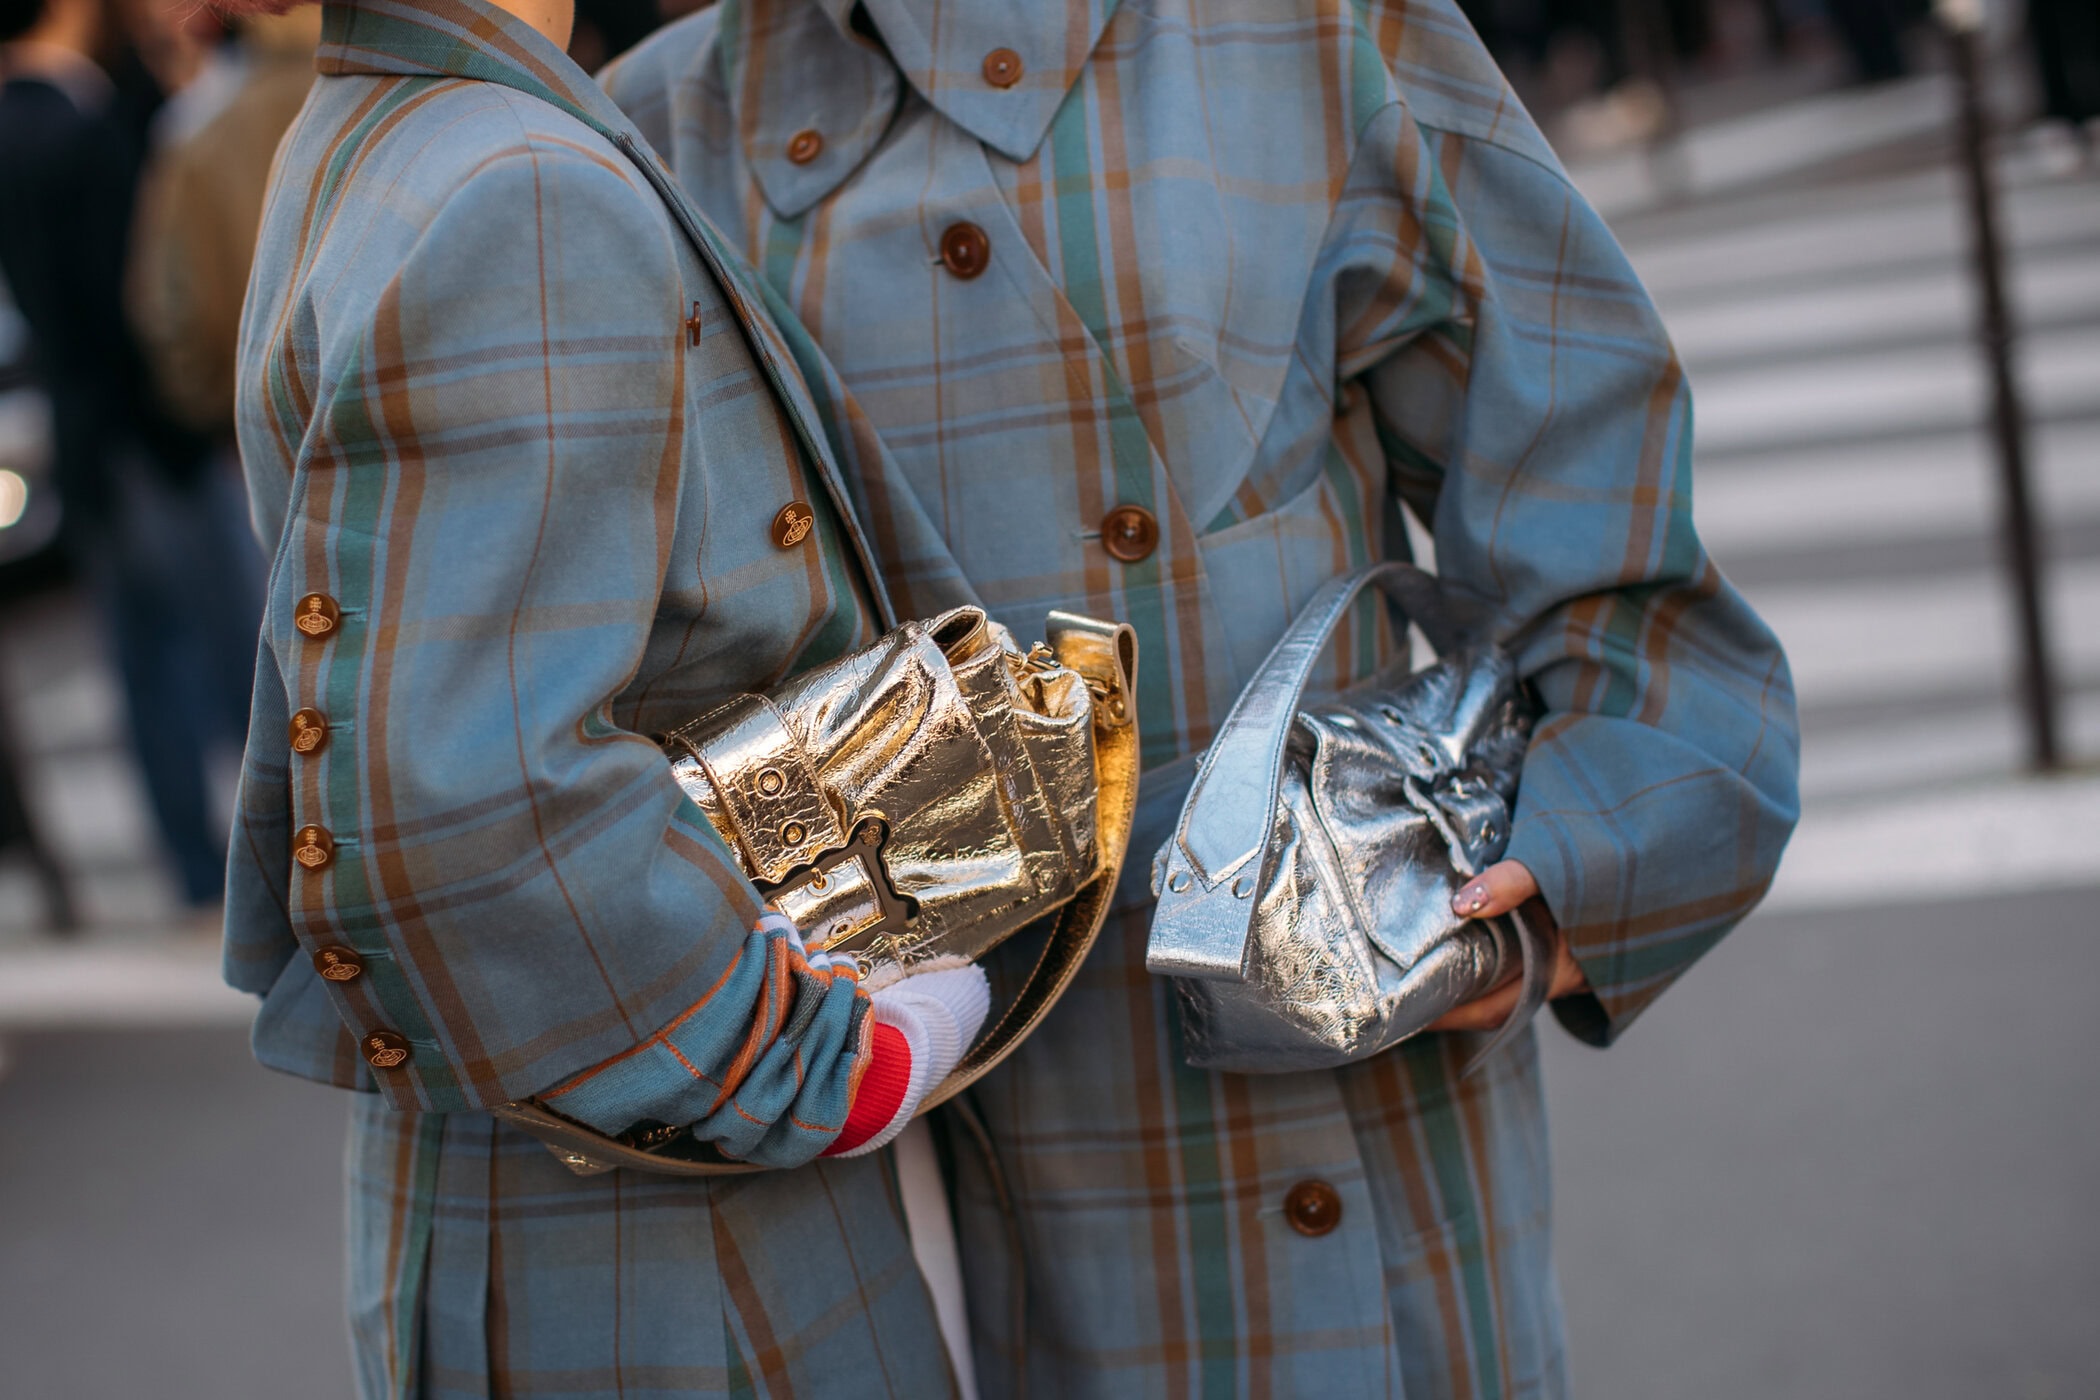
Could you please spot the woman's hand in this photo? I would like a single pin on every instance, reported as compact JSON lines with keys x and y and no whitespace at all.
{"x":1497,"y":890}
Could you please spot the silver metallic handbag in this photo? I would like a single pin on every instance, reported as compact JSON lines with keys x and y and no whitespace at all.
{"x":1305,"y":896}
{"x":925,"y":797}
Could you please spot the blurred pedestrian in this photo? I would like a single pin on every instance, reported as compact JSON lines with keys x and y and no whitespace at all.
{"x":146,"y":523}
{"x":2065,"y":35}
{"x":199,"y":203}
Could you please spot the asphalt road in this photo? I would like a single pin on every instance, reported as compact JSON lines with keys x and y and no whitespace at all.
{"x":1849,"y":1156}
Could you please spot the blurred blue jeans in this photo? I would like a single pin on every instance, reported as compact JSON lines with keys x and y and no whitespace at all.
{"x":176,"y":577}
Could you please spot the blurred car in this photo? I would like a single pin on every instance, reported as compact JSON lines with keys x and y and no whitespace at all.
{"x":29,"y":507}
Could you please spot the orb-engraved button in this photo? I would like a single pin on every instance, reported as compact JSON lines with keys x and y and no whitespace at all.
{"x":1002,"y":68}
{"x":313,"y":847}
{"x":965,"y":250}
{"x":793,"y":834}
{"x":385,"y":1049}
{"x":770,"y":782}
{"x":1129,"y":533}
{"x":1313,"y":1208}
{"x":792,"y":526}
{"x":337,"y":963}
{"x":308,"y":731}
{"x":316,"y":615}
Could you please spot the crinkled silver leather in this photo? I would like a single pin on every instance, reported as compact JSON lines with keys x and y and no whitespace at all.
{"x":1305,"y":897}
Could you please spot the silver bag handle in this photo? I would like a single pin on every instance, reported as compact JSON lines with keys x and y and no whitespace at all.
{"x":1220,"y":852}
{"x":1225,"y":818}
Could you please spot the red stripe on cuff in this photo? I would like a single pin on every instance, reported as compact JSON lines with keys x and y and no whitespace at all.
{"x":881,"y":1093}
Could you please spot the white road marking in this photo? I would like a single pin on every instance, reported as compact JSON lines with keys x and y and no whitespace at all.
{"x":1934,"y":305}
{"x":1926,"y":388}
{"x":1909,"y":639}
{"x":2012,"y":836}
{"x":117,"y":983}
{"x":1840,"y":497}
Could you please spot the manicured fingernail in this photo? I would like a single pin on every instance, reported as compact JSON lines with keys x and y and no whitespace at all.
{"x":1470,"y":900}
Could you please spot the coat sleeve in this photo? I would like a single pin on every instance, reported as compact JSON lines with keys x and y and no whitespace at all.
{"x":496,"y":465}
{"x":1536,"y":419}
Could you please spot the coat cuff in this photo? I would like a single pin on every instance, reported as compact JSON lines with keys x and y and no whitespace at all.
{"x":763,"y":1065}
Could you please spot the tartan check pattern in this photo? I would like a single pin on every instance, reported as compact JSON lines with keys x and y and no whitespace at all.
{"x":1276,"y":271}
{"x":482,"y":1267}
{"x":495,"y":405}
{"x":510,"y":403}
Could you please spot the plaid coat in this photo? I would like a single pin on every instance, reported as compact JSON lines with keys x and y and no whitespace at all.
{"x":1279,"y":273}
{"x":518,"y":428}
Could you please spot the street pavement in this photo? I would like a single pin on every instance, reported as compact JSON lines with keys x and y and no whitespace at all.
{"x":1851,"y":1155}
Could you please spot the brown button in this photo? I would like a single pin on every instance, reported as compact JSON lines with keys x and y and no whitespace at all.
{"x":385,"y":1049}
{"x":1313,"y":1208}
{"x":1129,"y":533}
{"x":965,"y":251}
{"x":1002,"y":68}
{"x":792,"y":526}
{"x":336,"y":963}
{"x":308,"y":731}
{"x":316,"y":615}
{"x":805,"y":146}
{"x":313,"y":847}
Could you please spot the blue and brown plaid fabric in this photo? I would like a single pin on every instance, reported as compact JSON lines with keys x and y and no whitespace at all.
{"x":1276,"y":272}
{"x":518,"y":428}
{"x":481,"y":1268}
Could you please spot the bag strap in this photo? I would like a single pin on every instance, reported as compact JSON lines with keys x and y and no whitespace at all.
{"x":1206,"y":875}
{"x":1226,"y":817}
{"x":782,"y":347}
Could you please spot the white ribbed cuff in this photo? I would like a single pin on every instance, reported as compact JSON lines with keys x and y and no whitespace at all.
{"x":938,"y":1014}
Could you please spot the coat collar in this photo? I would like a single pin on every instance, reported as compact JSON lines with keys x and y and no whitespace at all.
{"x":794,"y":66}
{"x":461,"y":39}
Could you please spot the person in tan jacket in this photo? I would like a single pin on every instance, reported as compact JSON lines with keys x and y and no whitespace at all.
{"x":199,"y":204}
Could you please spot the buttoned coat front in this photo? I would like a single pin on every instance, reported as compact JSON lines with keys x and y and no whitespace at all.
{"x":518,"y":428}
{"x":1276,"y":275}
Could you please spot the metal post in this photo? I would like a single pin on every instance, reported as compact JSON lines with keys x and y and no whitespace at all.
{"x":1963,"y":20}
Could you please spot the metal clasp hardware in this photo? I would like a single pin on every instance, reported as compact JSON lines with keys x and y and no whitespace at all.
{"x":868,"y":843}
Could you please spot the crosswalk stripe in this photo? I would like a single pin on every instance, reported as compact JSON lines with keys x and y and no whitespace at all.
{"x":1749,"y":260}
{"x":1904,"y":642}
{"x":1927,"y":389}
{"x":1840,"y":496}
{"x":1936,"y":304}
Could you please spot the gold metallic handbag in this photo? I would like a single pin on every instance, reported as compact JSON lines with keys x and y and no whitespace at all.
{"x":926,"y":797}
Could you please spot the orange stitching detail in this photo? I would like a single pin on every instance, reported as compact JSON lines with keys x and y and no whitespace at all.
{"x":662,"y":1035}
